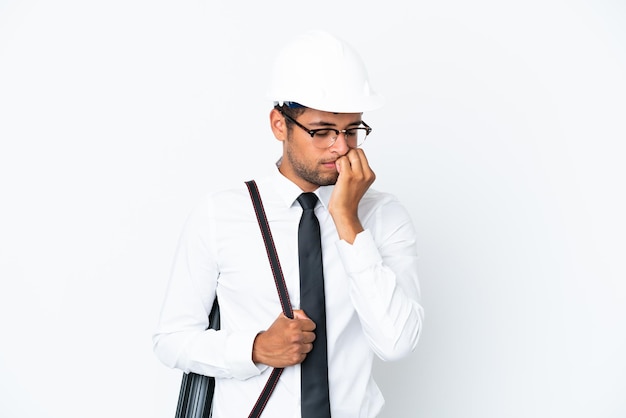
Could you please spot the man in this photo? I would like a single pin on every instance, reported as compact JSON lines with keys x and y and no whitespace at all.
{"x":320,"y":89}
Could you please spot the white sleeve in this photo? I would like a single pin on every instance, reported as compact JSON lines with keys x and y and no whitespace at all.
{"x":384,"y":287}
{"x":181,"y":339}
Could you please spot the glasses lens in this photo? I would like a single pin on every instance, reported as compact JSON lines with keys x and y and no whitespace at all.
{"x":359,"y":136}
{"x":325,"y":138}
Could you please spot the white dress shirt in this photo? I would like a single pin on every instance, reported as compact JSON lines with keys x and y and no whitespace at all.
{"x":371,"y":286}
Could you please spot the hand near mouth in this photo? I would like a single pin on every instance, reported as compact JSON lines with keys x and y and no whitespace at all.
{"x":355,"y":177}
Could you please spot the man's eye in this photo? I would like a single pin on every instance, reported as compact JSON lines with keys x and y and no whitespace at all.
{"x":324,"y":133}
{"x":352,"y":132}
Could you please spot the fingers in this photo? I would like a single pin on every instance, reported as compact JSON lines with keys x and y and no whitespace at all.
{"x":356,"y":157}
{"x":302,"y":337}
{"x":286,"y":342}
{"x":304,"y":322}
{"x":299,"y":314}
{"x":348,"y":163}
{"x":363,"y":165}
{"x":355,"y":165}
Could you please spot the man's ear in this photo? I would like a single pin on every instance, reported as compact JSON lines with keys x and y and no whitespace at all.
{"x":278,"y":125}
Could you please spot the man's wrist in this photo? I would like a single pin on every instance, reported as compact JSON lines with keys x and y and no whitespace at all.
{"x":348,"y":227}
{"x":256,"y":352}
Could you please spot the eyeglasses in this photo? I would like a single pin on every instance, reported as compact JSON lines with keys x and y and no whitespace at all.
{"x":325,"y":137}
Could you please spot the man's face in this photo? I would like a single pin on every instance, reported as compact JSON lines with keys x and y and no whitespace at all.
{"x":305,"y":164}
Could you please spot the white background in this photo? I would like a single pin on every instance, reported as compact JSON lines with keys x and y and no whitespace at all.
{"x":503,"y":134}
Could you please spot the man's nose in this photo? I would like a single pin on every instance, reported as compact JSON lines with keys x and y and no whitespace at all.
{"x":340,"y":145}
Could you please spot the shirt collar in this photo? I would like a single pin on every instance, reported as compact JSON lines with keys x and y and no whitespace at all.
{"x":289,"y":191}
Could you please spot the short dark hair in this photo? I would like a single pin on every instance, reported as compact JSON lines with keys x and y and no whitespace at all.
{"x":291,"y":109}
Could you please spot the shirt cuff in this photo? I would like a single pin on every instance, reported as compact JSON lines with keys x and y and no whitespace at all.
{"x":239,"y":355}
{"x":361,"y":255}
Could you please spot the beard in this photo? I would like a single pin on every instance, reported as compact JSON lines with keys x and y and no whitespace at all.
{"x":310,"y":174}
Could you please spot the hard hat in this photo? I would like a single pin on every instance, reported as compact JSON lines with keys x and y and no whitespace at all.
{"x":320,"y":71}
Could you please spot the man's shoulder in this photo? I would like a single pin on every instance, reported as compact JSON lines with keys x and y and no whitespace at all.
{"x":226,"y":190}
{"x":229,"y":193}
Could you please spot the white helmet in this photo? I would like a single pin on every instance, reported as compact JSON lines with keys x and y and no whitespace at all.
{"x":320,"y":71}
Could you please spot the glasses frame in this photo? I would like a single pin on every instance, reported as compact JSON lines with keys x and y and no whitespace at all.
{"x":312,"y":132}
